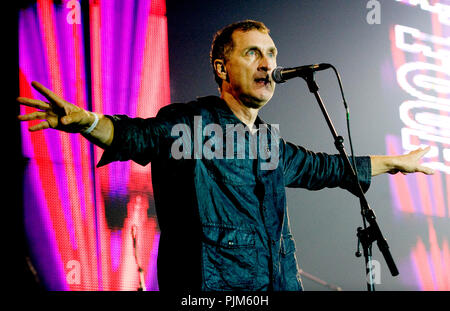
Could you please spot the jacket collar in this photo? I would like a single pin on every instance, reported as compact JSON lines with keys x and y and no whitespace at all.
{"x":225,"y":114}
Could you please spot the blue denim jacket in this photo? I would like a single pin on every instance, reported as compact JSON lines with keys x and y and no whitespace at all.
{"x":224,"y":222}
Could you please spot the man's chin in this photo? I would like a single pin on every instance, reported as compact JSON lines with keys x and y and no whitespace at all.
{"x":254,"y":102}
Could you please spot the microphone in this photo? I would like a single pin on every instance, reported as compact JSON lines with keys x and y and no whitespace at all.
{"x":281,"y":75}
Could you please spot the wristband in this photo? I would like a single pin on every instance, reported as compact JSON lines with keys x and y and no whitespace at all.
{"x":93,"y":125}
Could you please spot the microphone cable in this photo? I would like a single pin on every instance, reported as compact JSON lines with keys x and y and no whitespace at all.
{"x":347,"y":117}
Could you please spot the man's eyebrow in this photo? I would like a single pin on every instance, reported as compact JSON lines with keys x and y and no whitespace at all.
{"x":273,"y":50}
{"x":252,"y":48}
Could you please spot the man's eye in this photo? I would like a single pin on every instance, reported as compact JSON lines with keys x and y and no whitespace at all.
{"x":251,"y":53}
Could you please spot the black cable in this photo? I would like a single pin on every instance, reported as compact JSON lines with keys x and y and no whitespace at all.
{"x":347,"y":113}
{"x":375,"y":233}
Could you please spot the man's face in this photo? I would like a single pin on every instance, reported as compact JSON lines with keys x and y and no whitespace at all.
{"x":249,"y":66}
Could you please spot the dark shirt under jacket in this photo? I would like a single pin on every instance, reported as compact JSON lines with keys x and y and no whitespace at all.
{"x":224,"y":222}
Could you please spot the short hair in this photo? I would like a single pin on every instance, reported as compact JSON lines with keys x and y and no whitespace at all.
{"x":222,"y":43}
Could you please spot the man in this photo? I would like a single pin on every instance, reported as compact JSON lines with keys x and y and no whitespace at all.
{"x":223,"y":218}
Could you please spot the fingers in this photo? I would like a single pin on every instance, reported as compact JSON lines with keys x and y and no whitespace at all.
{"x":37,"y":115}
{"x":424,"y":151}
{"x":422,"y":168}
{"x":48,"y":94}
{"x":420,"y":152}
{"x":41,"y":126}
{"x":39,"y":104}
{"x":426,"y":170}
{"x":415,"y":156}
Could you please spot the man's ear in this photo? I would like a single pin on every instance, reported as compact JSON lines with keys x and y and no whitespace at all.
{"x":221,"y":70}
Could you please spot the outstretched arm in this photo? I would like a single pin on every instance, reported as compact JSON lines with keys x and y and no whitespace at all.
{"x":62,"y":115}
{"x":406,"y":163}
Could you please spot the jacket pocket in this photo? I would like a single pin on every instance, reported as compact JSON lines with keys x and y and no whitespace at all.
{"x":228,"y":258}
{"x":290,"y":275}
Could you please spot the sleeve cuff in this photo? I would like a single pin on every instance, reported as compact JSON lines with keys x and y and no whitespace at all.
{"x":112,"y":153}
{"x":364,"y":167}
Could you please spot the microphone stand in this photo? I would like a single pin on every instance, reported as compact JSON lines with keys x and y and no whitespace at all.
{"x":369,"y":234}
{"x":140,"y":270}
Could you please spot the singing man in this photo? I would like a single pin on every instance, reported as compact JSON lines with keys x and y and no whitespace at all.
{"x":222,"y":215}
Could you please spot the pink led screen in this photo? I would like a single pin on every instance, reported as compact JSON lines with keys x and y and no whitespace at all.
{"x":79,"y":219}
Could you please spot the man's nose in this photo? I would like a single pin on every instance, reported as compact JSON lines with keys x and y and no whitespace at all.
{"x":267,"y":63}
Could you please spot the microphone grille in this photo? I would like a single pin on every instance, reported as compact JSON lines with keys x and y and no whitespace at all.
{"x":276,"y":75}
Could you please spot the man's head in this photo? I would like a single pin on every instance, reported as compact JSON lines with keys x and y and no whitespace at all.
{"x":243,"y":56}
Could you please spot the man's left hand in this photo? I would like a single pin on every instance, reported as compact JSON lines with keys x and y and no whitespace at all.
{"x":405,"y":164}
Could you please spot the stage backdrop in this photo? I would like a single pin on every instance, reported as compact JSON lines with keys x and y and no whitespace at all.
{"x":109,"y":56}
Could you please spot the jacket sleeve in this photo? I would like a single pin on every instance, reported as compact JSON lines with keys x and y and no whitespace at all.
{"x":143,"y":140}
{"x":315,"y":171}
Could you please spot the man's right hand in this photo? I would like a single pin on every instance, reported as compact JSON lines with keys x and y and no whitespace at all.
{"x":56,"y":113}
{"x":62,"y":115}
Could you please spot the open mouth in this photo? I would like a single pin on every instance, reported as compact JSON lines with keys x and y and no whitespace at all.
{"x":263,"y":80}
